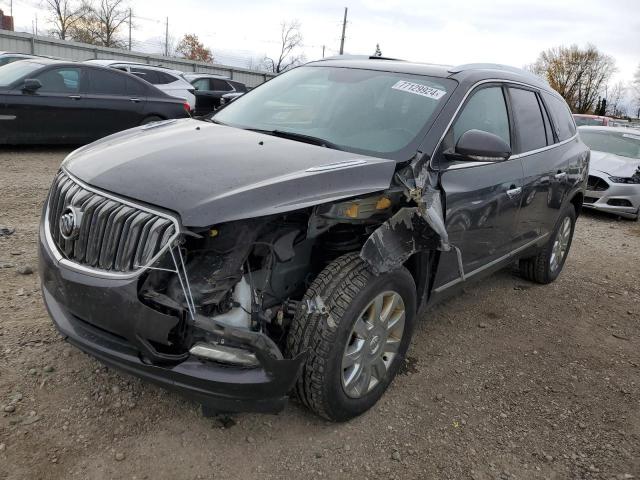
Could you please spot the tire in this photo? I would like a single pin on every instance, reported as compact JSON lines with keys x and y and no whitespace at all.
{"x":543,"y":268}
{"x":342,"y":292}
{"x":150,"y":119}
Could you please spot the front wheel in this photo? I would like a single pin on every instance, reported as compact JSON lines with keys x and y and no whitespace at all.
{"x":356,"y":334}
{"x":546,"y":266}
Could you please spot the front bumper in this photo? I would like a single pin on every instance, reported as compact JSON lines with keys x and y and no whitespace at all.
{"x":605,"y":200}
{"x":104,"y":318}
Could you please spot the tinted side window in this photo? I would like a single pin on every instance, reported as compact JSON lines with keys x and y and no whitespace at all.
{"x":487,"y":111}
{"x":147,"y":75}
{"x":5,"y":60}
{"x":60,"y":80}
{"x":104,"y":82}
{"x":240,"y":87}
{"x":135,"y":87}
{"x":164,"y":78}
{"x":220,"y":85}
{"x":201,"y":84}
{"x":528,"y":120}
{"x":561,"y":117}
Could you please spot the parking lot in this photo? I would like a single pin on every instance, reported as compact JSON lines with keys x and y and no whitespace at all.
{"x":507,"y":380}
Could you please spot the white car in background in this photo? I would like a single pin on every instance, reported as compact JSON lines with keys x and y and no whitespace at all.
{"x":614,"y":171}
{"x":169,"y":81}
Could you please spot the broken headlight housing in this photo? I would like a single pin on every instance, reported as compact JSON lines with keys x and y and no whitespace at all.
{"x":635,"y":180}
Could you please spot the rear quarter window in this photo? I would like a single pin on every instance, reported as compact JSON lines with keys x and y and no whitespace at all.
{"x":561,"y":116}
{"x":163,"y":78}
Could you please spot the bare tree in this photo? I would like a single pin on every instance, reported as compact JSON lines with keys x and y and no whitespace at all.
{"x":578,"y":75}
{"x":102,"y":23}
{"x":615,"y":100}
{"x":290,"y":42}
{"x":64,"y":14}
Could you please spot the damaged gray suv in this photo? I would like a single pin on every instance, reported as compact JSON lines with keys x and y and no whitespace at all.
{"x":285,"y":245}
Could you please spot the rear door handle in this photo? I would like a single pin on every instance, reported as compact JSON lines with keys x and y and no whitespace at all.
{"x":75,"y":97}
{"x":560,"y":175}
{"x":134,"y":100}
{"x":514,"y":192}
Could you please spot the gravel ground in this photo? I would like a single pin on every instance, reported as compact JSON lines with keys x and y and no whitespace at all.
{"x":507,"y":380}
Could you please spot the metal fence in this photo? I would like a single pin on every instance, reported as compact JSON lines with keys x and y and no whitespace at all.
{"x":36,"y":45}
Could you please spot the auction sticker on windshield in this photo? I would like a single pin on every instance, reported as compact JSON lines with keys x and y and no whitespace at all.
{"x":418,"y":89}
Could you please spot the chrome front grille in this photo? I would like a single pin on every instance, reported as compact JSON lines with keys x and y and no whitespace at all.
{"x":111,"y":235}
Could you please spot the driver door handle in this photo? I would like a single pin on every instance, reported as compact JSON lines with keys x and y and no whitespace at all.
{"x":75,"y":97}
{"x":134,"y":100}
{"x":514,"y":192}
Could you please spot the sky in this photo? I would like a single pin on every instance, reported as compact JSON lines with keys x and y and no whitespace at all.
{"x":511,"y":32}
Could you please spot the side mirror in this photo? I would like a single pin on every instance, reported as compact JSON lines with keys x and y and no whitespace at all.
{"x":481,"y":146}
{"x":31,"y":85}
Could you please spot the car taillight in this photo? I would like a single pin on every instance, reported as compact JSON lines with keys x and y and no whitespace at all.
{"x":187,"y":108}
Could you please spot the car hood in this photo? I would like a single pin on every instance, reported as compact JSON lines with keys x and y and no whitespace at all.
{"x":613,"y":165}
{"x":210,"y":173}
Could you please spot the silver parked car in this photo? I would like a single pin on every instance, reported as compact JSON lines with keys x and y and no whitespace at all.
{"x":614,"y":172}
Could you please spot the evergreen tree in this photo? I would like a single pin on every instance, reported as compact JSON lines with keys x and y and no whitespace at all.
{"x":603,"y":108}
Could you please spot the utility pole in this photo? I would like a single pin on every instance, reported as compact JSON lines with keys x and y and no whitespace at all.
{"x":129,"y":29}
{"x":36,"y":24}
{"x":11,"y":9}
{"x":166,"y":39}
{"x":322,"y":51}
{"x":344,"y":27}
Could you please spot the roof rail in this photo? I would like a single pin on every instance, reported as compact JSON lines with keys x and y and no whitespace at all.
{"x":496,"y":66}
{"x":361,"y":57}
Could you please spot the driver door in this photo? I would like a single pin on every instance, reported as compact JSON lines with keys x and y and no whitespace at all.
{"x":482,"y":199}
{"x":55,"y":113}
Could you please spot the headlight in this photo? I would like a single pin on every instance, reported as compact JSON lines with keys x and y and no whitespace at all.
{"x":633,"y":180}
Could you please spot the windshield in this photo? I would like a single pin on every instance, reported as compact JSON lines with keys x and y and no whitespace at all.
{"x":588,"y":121}
{"x":16,"y":70}
{"x":365,"y":111}
{"x":623,"y":144}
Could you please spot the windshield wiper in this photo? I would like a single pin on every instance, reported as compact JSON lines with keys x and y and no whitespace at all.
{"x":301,"y":137}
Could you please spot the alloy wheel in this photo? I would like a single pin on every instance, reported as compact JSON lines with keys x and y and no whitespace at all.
{"x":560,"y":244}
{"x":373,"y":344}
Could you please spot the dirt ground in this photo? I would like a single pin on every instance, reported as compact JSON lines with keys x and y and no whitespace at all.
{"x":508,"y":380}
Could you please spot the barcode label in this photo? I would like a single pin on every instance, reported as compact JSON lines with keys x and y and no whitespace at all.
{"x":419,"y":89}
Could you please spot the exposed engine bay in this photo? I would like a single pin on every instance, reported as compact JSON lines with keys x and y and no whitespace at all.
{"x":250,"y":275}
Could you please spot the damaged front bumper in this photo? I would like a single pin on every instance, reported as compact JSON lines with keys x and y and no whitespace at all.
{"x":105,"y":318}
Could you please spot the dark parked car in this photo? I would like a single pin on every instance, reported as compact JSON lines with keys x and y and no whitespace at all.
{"x":286,"y":245}
{"x":210,"y":89}
{"x":48,"y":101}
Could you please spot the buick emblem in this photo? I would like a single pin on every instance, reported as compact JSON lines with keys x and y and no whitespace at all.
{"x":70,"y":223}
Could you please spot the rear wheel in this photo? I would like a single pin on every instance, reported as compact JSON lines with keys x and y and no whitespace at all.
{"x":546,"y":266}
{"x":356,"y":335}
{"x":150,"y":119}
